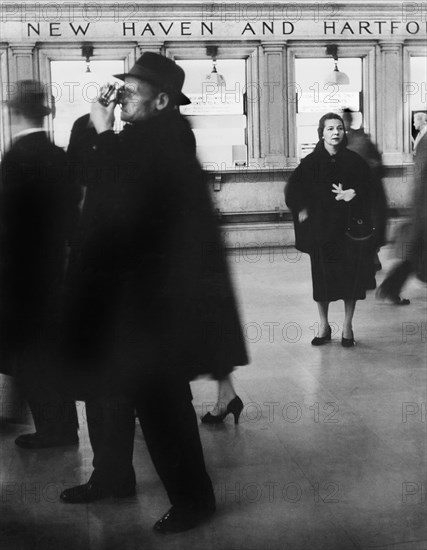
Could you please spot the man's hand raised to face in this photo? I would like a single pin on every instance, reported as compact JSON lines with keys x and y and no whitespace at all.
{"x":102,"y":117}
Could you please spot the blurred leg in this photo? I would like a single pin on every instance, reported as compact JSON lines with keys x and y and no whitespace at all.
{"x":111,"y":425}
{"x":392,"y":285}
{"x":170,"y":428}
{"x":54,"y":414}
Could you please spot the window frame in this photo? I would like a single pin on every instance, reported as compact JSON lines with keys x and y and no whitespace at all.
{"x":5,"y":135}
{"x":249,"y":51}
{"x":412,"y":49}
{"x":46,"y":53}
{"x":367,"y":51}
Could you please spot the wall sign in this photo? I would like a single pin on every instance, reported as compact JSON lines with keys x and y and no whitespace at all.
{"x":12,"y":31}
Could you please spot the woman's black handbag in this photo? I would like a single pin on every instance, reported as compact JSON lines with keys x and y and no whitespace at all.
{"x":360,"y":235}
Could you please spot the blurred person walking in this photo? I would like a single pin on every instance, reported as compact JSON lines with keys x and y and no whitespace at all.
{"x":415,"y":243}
{"x":360,"y":142}
{"x":38,"y":206}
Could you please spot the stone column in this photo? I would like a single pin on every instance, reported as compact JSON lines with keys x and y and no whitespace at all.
{"x":21,"y":62}
{"x":253,"y":98}
{"x":273,"y":103}
{"x":390,"y":102}
{"x":21,"y":66}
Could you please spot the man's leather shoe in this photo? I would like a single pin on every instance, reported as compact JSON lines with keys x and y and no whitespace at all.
{"x":36,"y":441}
{"x":91,"y":491}
{"x":88,"y":492}
{"x":179,"y":519}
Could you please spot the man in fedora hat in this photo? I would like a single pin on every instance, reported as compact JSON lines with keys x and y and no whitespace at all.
{"x":150,"y":303}
{"x":37,"y":207}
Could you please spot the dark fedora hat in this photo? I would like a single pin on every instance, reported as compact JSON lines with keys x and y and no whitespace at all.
{"x":160,"y":71}
{"x":29,"y":98}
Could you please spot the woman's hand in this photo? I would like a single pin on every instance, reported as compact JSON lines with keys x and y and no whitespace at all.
{"x":302,"y":215}
{"x":341,"y":194}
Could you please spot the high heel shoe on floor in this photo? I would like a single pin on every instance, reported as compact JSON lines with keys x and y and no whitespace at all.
{"x":320,"y":340}
{"x":347,"y":342}
{"x":235,"y":407}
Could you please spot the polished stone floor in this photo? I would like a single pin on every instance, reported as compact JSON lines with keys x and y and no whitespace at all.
{"x":330,"y":452}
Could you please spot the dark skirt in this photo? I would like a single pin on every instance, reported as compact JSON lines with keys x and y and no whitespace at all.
{"x":340,"y":272}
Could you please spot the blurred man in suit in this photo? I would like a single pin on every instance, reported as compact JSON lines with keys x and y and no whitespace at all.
{"x":414,"y":245}
{"x":38,"y":207}
{"x":360,"y":142}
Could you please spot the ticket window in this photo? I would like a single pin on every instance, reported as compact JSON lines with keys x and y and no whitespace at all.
{"x":74,"y":90}
{"x":416,"y":90}
{"x":217,"y":112}
{"x":314,"y":98}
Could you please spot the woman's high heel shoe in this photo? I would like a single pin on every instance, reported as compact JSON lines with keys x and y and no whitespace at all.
{"x":320,"y":340}
{"x":348,"y":342}
{"x":235,"y":407}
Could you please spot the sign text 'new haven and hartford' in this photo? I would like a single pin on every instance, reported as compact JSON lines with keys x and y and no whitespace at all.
{"x":13,"y":30}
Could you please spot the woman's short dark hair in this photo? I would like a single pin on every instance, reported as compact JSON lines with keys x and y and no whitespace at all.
{"x":326,"y":117}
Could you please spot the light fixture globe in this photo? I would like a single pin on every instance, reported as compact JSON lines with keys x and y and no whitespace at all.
{"x":214,"y":77}
{"x":337,"y":77}
{"x":87,"y":53}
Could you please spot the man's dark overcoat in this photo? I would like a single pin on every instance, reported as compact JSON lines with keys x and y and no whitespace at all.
{"x":148,"y":286}
{"x":38,"y":208}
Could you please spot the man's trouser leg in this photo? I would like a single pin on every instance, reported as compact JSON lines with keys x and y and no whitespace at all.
{"x":111,"y":425}
{"x":170,"y":428}
{"x":54,"y":414}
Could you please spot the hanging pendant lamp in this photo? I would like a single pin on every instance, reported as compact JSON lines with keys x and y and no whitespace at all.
{"x":214,"y":77}
{"x":336,"y":76}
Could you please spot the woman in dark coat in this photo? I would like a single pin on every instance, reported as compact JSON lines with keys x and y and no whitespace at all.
{"x":326,"y":193}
